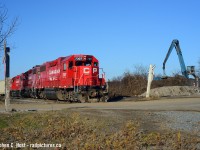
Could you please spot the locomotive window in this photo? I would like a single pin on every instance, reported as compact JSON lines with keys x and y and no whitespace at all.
{"x":64,"y":67}
{"x":34,"y":71}
{"x":95,"y":63}
{"x":70,"y":64}
{"x":87,"y":63}
{"x":79,"y":63}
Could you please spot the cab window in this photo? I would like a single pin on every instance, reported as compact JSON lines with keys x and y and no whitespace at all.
{"x":96,"y":64}
{"x":87,"y":63}
{"x":64,"y":67}
{"x":83,"y":63}
{"x":70,"y":64}
{"x":79,"y":63}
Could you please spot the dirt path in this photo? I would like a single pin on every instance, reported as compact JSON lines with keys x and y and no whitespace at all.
{"x":175,"y":104}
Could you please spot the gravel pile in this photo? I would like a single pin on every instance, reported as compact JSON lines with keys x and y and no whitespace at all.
{"x":174,"y":91}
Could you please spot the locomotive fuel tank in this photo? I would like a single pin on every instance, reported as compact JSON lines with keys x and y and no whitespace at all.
{"x":50,"y":93}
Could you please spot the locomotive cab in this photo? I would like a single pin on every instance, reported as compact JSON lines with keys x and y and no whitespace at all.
{"x":86,"y":72}
{"x":81,"y":73}
{"x":86,"y":77}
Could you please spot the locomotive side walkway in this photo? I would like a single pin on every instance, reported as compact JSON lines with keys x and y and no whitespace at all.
{"x":174,"y":104}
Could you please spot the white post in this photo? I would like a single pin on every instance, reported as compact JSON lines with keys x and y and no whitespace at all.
{"x":7,"y":76}
{"x":150,"y":79}
{"x":7,"y":94}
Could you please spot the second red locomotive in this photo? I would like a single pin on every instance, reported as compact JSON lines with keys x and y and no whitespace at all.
{"x":72,"y":78}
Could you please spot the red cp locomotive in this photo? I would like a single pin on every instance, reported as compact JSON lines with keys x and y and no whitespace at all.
{"x":71,"y":78}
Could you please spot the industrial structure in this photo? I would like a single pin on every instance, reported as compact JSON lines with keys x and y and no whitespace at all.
{"x":185,"y":72}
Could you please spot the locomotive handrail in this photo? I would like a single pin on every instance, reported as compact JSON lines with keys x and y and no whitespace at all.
{"x":103,"y":74}
{"x":75,"y":79}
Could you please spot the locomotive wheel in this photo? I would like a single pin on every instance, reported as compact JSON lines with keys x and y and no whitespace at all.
{"x":82,"y":98}
{"x":104,"y":98}
{"x":93,"y":100}
{"x":42,"y":95}
{"x":59,"y":95}
{"x":35,"y":94}
{"x":31,"y":93}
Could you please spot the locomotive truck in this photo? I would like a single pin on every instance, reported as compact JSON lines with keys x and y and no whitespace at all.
{"x":72,"y":78}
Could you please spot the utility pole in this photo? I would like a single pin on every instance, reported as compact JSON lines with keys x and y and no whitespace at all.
{"x":150,"y":79}
{"x":7,"y":76}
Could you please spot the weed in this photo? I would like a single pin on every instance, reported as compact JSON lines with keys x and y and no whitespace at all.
{"x":76,"y":131}
{"x":3,"y":124}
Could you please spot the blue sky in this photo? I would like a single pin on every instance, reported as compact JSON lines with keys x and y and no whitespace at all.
{"x":121,"y":34}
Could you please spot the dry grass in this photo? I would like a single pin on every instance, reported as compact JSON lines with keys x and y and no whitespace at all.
{"x":76,"y":131}
{"x":134,"y":84}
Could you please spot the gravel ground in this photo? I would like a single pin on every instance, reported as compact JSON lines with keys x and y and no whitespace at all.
{"x":152,"y":121}
{"x":182,"y":121}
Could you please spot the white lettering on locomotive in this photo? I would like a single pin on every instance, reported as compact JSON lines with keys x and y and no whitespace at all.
{"x":78,"y":58}
{"x":54,"y":71}
{"x":53,"y":78}
{"x":86,"y":70}
{"x":94,"y":70}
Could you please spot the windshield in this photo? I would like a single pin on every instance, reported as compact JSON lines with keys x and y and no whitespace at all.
{"x":83,"y":63}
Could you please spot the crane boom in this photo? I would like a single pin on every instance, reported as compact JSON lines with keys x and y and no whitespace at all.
{"x":175,"y":44}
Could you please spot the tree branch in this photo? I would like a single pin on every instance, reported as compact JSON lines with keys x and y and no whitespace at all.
{"x":6,"y":31}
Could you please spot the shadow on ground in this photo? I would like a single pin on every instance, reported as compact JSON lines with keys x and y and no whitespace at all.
{"x":122,"y":98}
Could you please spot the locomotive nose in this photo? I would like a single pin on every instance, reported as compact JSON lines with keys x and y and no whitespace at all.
{"x":88,"y":75}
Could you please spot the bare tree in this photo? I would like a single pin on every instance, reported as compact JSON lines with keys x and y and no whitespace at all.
{"x":176,"y":72}
{"x":6,"y":28}
{"x":141,"y":70}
